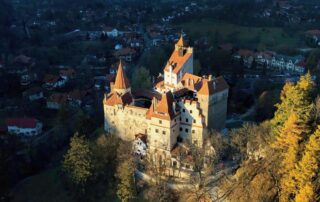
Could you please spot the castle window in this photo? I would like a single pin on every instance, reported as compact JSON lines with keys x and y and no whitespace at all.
{"x":163,"y":132}
{"x":187,"y":130}
{"x":190,"y":111}
{"x":187,"y":120}
{"x":160,"y":121}
{"x":194,"y":121}
{"x":180,"y":128}
{"x":157,"y":130}
{"x":174,"y":164}
{"x":183,"y":110}
{"x":193,"y":131}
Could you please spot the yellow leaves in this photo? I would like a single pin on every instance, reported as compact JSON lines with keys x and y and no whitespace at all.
{"x":305,"y":194}
{"x":306,"y":82}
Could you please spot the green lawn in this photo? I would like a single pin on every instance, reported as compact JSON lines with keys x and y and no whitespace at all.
{"x":261,"y":38}
{"x":46,"y":186}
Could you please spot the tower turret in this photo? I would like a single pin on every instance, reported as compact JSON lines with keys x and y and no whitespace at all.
{"x":121,"y":85}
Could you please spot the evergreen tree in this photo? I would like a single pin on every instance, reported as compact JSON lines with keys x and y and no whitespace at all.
{"x":78,"y":161}
{"x":141,"y":78}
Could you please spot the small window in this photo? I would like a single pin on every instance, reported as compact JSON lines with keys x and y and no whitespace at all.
{"x":183,"y":110}
{"x":174,"y":164}
{"x":163,"y":132}
{"x":187,"y":130}
{"x":157,"y":130}
{"x":180,"y":118}
{"x":194,"y":121}
{"x":193,"y":131}
{"x":190,"y":111}
{"x":180,"y":129}
{"x":160,"y":121}
{"x":187,"y":120}
{"x":187,"y":166}
{"x":175,"y":120}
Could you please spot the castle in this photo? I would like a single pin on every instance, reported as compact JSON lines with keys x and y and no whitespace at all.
{"x":180,"y":107}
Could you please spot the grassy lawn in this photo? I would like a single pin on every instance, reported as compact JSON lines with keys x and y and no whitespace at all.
{"x":46,"y":186}
{"x":261,"y":38}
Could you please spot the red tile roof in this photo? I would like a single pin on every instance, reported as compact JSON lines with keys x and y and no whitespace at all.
{"x":314,"y":32}
{"x":245,"y":53}
{"x":213,"y":86}
{"x":22,"y":122}
{"x":67,"y":72}
{"x":22,"y":59}
{"x":164,"y":108}
{"x":58,"y":98}
{"x":50,"y":78}
{"x":122,"y":81}
{"x":177,"y":61}
{"x":115,"y":99}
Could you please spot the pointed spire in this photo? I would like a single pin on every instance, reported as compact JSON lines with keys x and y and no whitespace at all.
{"x":122,"y":81}
{"x":181,"y":41}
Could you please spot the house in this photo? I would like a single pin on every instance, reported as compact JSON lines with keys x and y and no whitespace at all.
{"x":286,"y":63}
{"x":113,"y":32}
{"x":67,"y":74}
{"x":33,"y":94}
{"x":24,"y":126}
{"x":23,"y":60}
{"x":126,"y":54}
{"x":75,"y":97}
{"x":53,"y":81}
{"x":57,"y":100}
{"x":228,"y":47}
{"x":246,"y":55}
{"x":314,"y":36}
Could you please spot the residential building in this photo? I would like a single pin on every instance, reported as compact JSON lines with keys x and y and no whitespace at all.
{"x":24,"y":126}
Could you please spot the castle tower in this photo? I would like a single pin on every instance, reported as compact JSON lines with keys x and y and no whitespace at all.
{"x":179,"y":63}
{"x":164,"y":125}
{"x":213,"y":99}
{"x":179,"y":44}
{"x":121,"y":85}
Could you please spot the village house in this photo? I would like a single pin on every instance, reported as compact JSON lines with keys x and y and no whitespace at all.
{"x":67,"y":74}
{"x":112,"y":32}
{"x":126,"y":54}
{"x":53,"y":81}
{"x":57,"y":100}
{"x":76,"y":97}
{"x":33,"y":94}
{"x":313,"y":36}
{"x":272,"y":61}
{"x":24,"y":126}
